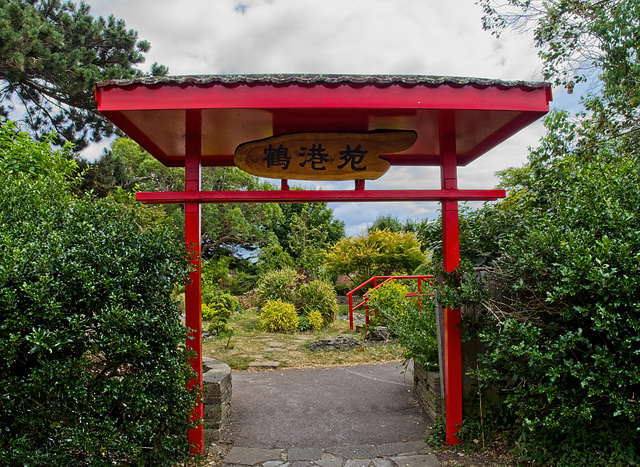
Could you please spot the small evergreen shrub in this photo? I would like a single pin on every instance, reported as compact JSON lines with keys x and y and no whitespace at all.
{"x":318,"y":296}
{"x":218,"y":311}
{"x":280,"y":284}
{"x":390,"y":299}
{"x":279,"y":316}
{"x":93,"y":365}
{"x":342,"y":289}
{"x":315,"y":320}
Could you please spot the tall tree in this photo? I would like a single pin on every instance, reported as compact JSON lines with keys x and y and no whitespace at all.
{"x":582,"y":40}
{"x":379,"y":252}
{"x":562,"y":339}
{"x":51,"y":55}
{"x":316,"y":219}
{"x":227,"y":229}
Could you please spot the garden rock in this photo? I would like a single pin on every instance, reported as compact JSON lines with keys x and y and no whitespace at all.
{"x":337,"y":343}
{"x":377,"y":334}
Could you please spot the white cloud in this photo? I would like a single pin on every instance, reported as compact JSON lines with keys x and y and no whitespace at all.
{"x":341,"y":36}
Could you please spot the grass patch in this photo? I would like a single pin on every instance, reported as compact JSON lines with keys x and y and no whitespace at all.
{"x":249,"y":344}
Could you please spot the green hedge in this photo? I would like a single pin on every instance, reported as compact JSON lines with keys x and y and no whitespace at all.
{"x":93,"y":368}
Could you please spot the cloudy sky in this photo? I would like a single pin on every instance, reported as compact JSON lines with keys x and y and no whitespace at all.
{"x":427,"y":37}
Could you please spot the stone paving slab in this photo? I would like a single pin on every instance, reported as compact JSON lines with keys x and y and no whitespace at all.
{"x":422,"y":460}
{"x":264,"y":364}
{"x":350,"y":456}
{"x":355,"y":452}
{"x":304,"y":454}
{"x":251,"y":456}
{"x":394,"y":449}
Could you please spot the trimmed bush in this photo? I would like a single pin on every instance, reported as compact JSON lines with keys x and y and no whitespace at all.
{"x":294,"y":287}
{"x":93,"y":367}
{"x":279,"y":316}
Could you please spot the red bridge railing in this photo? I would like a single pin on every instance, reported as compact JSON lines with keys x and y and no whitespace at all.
{"x":365,"y":298}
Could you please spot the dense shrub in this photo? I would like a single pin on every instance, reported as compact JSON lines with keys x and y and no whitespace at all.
{"x":306,"y":295}
{"x":93,"y":367}
{"x":413,"y":326}
{"x":315,"y":320}
{"x":318,"y":296}
{"x":243,"y":283}
{"x":342,"y":289}
{"x":217,"y":311}
{"x":561,"y":339}
{"x":279,"y":316}
{"x":280,"y":284}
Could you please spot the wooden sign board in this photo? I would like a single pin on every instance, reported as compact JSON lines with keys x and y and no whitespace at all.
{"x":323,"y":156}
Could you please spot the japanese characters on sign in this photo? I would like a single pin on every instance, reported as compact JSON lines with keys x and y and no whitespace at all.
{"x":322,"y":156}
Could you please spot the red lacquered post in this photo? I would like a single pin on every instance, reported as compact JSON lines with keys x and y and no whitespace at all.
{"x":351,"y":311}
{"x":451,"y":259}
{"x":193,"y":288}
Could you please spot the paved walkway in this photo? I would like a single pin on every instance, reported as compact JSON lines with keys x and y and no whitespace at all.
{"x":328,"y":417}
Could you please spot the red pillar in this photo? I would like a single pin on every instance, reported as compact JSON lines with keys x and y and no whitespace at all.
{"x":193,"y":288}
{"x":451,"y":259}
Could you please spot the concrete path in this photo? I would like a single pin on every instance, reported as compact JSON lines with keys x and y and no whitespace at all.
{"x":328,"y":417}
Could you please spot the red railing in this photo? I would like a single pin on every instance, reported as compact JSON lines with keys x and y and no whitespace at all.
{"x":365,"y":297}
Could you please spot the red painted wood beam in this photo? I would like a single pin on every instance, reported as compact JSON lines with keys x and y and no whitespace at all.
{"x":451,"y":259}
{"x":193,"y":297}
{"x":317,"y":196}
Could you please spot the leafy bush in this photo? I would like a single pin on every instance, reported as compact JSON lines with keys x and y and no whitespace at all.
{"x":243,"y":283}
{"x":318,"y":296}
{"x":280,"y":284}
{"x":218,"y":310}
{"x":306,"y":295}
{"x":279,"y":316}
{"x":93,"y":367}
{"x":376,"y":253}
{"x":316,"y":322}
{"x":342,"y":289}
{"x":414,"y":327}
{"x":561,"y":338}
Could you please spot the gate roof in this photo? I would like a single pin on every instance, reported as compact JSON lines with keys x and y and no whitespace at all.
{"x":228,"y":110}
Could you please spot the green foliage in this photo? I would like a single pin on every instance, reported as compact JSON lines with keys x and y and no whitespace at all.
{"x":389,"y":297}
{"x":388,"y":222}
{"x":315,"y":320}
{"x":317,"y":296}
{"x":217,"y":310}
{"x":305,"y":295}
{"x":413,"y":326}
{"x":273,"y":257}
{"x":243,"y":283}
{"x":306,"y":225}
{"x":227,"y":229}
{"x":561,"y":338}
{"x":377,"y":253}
{"x":281,"y":284}
{"x":279,"y":316}
{"x":341,"y":289}
{"x":93,"y":366}
{"x":51,"y":56}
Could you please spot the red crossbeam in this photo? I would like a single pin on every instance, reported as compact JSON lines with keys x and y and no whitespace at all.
{"x":318,"y":196}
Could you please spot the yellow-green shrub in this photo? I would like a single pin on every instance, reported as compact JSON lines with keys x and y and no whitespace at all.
{"x":315,"y":320}
{"x":279,"y":316}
